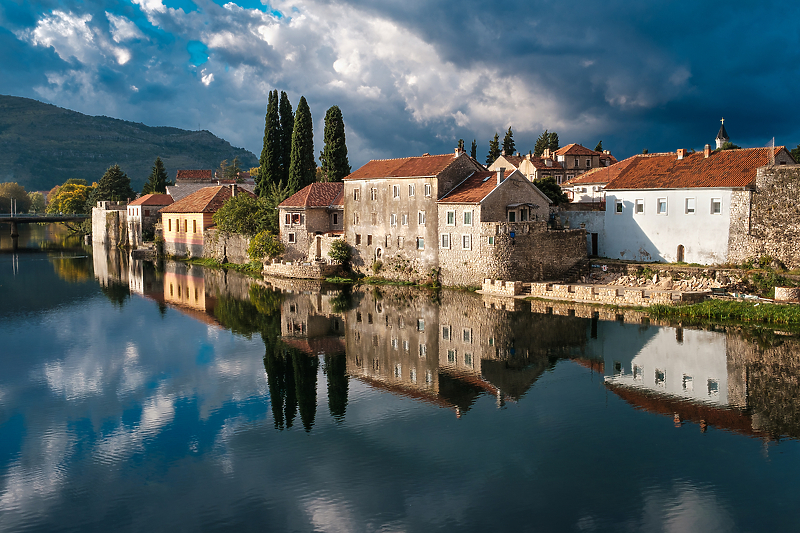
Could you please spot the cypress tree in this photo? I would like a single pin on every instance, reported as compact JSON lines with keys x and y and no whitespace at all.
{"x":508,"y":142}
{"x":335,"y":165}
{"x":269,"y":168}
{"x":494,"y":150}
{"x":553,"y":142}
{"x":303,"y":168}
{"x":473,"y":152}
{"x":114,"y":185}
{"x":541,"y":143}
{"x":157,"y":181}
{"x":287,"y":128}
{"x":599,"y":147}
{"x":460,"y":145}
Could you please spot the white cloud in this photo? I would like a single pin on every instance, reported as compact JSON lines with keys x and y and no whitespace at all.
{"x":151,"y":6}
{"x":123,"y":29}
{"x":70,"y":35}
{"x":206,"y":78}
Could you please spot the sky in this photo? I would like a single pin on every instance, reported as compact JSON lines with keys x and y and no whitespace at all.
{"x":414,"y":76}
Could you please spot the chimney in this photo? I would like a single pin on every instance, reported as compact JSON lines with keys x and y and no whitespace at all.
{"x":546,"y":152}
{"x":681,"y":153}
{"x":528,"y":156}
{"x":518,"y":154}
{"x":458,"y":152}
{"x":233,"y":190}
{"x":503,"y":153}
{"x":707,"y":151}
{"x":500,"y":174}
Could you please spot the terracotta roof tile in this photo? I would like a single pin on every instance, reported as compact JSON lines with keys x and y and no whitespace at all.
{"x":540,"y":163}
{"x":473,"y":189}
{"x":194,"y":175}
{"x":316,"y":195}
{"x":153,"y":199}
{"x":404,"y":167}
{"x":724,"y":168}
{"x":206,"y":200}
{"x":604,"y":174}
{"x":575,"y":149}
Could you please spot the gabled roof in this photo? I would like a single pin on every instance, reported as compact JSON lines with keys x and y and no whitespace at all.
{"x":194,"y":175}
{"x":153,"y":199}
{"x":575,"y":149}
{"x":316,"y":195}
{"x":723,"y":168}
{"x":479,"y":185}
{"x":404,"y":167}
{"x":540,"y":163}
{"x":206,"y":200}
{"x":515,"y":160}
{"x":605,"y":175}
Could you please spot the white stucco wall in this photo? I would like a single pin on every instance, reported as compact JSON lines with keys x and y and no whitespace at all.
{"x":651,"y":236}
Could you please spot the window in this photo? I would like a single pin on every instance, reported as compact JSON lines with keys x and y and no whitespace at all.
{"x":420,"y":243}
{"x":512,"y":216}
{"x":716,"y":206}
{"x":661,"y":377}
{"x":466,"y":242}
{"x":491,"y":240}
{"x":428,"y":376}
{"x":194,"y":226}
{"x":445,"y":333}
{"x":559,"y":179}
{"x":451,"y":356}
{"x":295,"y":218}
{"x":412,"y":189}
{"x":468,"y":359}
{"x":395,"y":191}
{"x":423,"y":351}
{"x":400,"y":241}
{"x":358,"y":239}
{"x":169,"y":223}
{"x":398,"y":370}
{"x":420,"y":324}
{"x":388,"y":241}
{"x":523,"y":214}
{"x":618,"y":207}
{"x":395,"y":344}
{"x":638,"y":372}
{"x":335,"y":218}
{"x":588,"y":163}
{"x":713,"y":387}
{"x":690,"y":206}
{"x":369,"y":240}
{"x":467,"y":335}
{"x":356,"y":194}
{"x":355,"y":218}
{"x":373,"y":194}
{"x":413,"y":375}
{"x":467,"y":218}
{"x":405,"y":219}
{"x":393,"y":220}
{"x":688,"y":383}
{"x":186,"y":226}
{"x":292,"y":238}
{"x":576,"y":162}
{"x":421,"y":218}
{"x":446,"y":240}
{"x":288,"y":219}
{"x":427,"y":189}
{"x":374,"y":218}
{"x":639,"y":210}
{"x":451,"y":218}
{"x":661,"y":206}
{"x":405,"y":346}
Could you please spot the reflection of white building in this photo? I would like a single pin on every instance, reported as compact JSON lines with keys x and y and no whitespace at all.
{"x":685,"y":364}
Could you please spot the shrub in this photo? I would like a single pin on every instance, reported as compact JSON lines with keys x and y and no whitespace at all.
{"x":244,"y":215}
{"x":341,"y":252}
{"x":265,"y":244}
{"x":376,"y":266}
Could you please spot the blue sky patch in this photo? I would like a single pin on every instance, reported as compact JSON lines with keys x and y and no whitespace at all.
{"x":252,"y":4}
{"x":198,"y":52}
{"x":187,"y":5}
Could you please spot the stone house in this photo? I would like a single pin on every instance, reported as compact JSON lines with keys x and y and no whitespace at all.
{"x":495,"y":226}
{"x":692,"y":207}
{"x":391,"y":213}
{"x":191,"y":181}
{"x":310,"y":220}
{"x":143,"y":214}
{"x":531,"y":166}
{"x":576,"y":159}
{"x":184,"y":222}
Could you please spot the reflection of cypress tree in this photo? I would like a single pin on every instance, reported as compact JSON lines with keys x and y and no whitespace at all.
{"x":116,"y":292}
{"x":305,"y":380}
{"x":335,"y":369}
{"x":280,"y":378}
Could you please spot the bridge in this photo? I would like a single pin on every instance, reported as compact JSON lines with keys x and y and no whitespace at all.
{"x":38,"y":219}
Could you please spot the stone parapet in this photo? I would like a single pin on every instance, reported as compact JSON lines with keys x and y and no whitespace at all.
{"x":300,"y":270}
{"x":504,"y":288}
{"x":611,"y":295}
{"x":787,"y":294}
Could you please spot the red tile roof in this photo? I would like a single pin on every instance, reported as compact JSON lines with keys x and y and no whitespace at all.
{"x":194,"y":175}
{"x":316,"y":195}
{"x":724,"y":168}
{"x":153,"y":199}
{"x":206,"y":200}
{"x":540,"y":163}
{"x":576,"y":149}
{"x":474,"y":189}
{"x":404,"y":167}
{"x":604,"y":174}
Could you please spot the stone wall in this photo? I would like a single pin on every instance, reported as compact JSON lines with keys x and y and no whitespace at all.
{"x":225,"y":248}
{"x":768,"y":225}
{"x":302,"y":271}
{"x":110,"y":223}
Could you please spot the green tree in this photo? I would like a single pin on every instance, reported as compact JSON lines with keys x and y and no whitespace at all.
{"x":231,"y":172}
{"x":269,"y":163}
{"x":473,"y":150}
{"x":552,"y":190}
{"x":542,"y":143}
{"x":552,"y":142}
{"x":599,"y":147}
{"x":69,"y":198}
{"x":303,"y":168}
{"x":37,"y":202}
{"x":286,"y":116}
{"x":796,"y":154}
{"x":508,"y":142}
{"x":242,"y":214}
{"x":14,"y":191}
{"x":729,"y":146}
{"x":494,"y":150}
{"x":335,"y":165}
{"x":460,"y":145}
{"x":264,"y":245}
{"x":114,"y":185}
{"x":157,"y":181}
{"x":341,"y":252}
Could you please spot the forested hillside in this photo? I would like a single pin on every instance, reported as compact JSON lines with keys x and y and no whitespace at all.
{"x":42,"y":145}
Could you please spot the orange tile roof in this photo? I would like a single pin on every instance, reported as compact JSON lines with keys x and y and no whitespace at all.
{"x":316,"y":195}
{"x":404,"y":167}
{"x":540,"y":163}
{"x":473,"y":189}
{"x":604,"y":174}
{"x":724,"y":168}
{"x":576,"y":149}
{"x":194,"y":175}
{"x":153,"y":199}
{"x":206,"y":200}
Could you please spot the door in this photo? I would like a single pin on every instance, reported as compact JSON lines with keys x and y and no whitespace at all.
{"x":319,"y":248}
{"x":680,"y":253}
{"x":594,"y":244}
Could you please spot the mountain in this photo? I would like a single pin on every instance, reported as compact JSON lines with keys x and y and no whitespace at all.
{"x":42,"y":145}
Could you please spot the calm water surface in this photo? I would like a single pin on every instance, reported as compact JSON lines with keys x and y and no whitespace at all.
{"x":163,"y":397}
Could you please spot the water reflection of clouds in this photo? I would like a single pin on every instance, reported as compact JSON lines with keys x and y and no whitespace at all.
{"x":683,"y":507}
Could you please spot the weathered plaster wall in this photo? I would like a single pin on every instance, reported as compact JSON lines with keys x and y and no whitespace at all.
{"x":110,"y":224}
{"x":225,"y":248}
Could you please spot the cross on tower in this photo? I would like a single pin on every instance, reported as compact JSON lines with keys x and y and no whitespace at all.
{"x":723,"y":121}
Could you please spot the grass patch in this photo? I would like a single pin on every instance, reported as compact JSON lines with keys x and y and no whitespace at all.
{"x":251,"y":269}
{"x":724,"y":311}
{"x":337,"y":279}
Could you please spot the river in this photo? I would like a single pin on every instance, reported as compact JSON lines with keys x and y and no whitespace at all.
{"x":166,"y":397}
